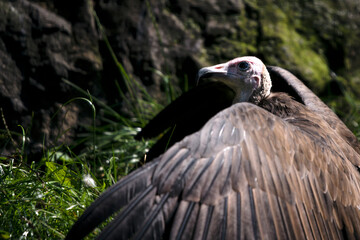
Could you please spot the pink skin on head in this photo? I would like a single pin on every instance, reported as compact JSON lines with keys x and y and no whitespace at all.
{"x":256,"y":68}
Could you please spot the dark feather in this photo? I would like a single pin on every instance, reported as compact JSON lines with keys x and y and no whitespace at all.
{"x":181,"y":120}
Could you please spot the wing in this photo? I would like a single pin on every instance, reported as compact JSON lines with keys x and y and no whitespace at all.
{"x":246,"y":174}
{"x":285,"y":81}
{"x":186,"y":115}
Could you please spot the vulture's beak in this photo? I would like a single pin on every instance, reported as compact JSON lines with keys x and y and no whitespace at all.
{"x":214,"y":73}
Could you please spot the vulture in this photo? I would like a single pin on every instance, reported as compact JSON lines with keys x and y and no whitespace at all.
{"x":253,"y":154}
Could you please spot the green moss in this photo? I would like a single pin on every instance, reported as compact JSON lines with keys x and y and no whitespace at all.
{"x":294,"y":51}
{"x":239,"y":48}
{"x":247,"y":32}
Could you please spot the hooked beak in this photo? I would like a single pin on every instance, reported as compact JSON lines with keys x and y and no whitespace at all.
{"x":216,"y":72}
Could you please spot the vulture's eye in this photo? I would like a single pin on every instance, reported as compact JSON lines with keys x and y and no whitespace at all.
{"x":243,"y":66}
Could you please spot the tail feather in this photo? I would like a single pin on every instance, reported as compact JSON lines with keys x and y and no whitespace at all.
{"x":185,"y":220}
{"x":128,"y":220}
{"x":145,"y":218}
{"x":154,"y":225}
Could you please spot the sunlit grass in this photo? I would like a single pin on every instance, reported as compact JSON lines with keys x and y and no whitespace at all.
{"x":42,"y":199}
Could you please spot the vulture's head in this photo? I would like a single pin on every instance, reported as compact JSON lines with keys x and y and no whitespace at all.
{"x":246,"y":76}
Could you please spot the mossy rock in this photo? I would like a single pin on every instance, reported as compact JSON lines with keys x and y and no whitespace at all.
{"x":283,"y":45}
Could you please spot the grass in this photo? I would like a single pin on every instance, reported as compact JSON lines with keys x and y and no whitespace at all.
{"x":43,"y":198}
{"x":40,"y":200}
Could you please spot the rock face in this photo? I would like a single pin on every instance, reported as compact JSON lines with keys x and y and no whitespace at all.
{"x":43,"y":42}
{"x":38,"y":48}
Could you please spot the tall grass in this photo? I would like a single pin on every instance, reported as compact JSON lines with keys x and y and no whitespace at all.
{"x":42,"y":199}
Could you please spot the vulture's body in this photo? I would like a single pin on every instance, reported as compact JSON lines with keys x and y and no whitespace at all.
{"x":269,"y":166}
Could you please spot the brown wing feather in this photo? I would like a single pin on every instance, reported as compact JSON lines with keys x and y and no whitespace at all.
{"x":315,"y":105}
{"x":247,"y":174}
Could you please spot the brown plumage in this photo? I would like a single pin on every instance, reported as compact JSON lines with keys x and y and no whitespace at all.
{"x":271,"y":166}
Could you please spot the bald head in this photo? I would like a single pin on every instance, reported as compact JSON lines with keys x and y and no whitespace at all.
{"x":246,"y":76}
